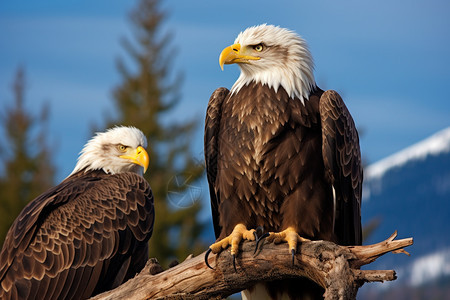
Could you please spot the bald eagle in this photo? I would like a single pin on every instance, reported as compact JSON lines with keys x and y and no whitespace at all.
{"x":280,"y":153}
{"x":88,"y":234}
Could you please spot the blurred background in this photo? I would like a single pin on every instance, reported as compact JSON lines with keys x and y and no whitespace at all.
{"x":71,"y":68}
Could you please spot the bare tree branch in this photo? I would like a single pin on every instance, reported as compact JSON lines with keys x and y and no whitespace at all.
{"x":334,"y":267}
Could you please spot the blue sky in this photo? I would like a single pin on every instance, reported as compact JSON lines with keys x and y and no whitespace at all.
{"x":388,"y":59}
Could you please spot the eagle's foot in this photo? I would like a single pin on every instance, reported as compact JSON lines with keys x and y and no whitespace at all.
{"x":239,"y":233}
{"x":288,"y":235}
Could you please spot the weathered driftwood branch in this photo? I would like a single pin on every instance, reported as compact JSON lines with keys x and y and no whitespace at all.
{"x":334,"y":267}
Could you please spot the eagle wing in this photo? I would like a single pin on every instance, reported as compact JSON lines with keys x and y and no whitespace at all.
{"x":82,"y":237}
{"x":211,"y":144}
{"x":342,"y":159}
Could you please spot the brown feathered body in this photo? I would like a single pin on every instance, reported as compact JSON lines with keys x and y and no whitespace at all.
{"x":273,"y":161}
{"x":85,"y":236}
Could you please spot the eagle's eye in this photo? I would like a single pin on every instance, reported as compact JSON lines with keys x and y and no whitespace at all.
{"x":258,"y":47}
{"x":122,"y":148}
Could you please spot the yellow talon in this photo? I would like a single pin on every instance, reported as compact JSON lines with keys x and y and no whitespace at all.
{"x":239,"y":233}
{"x":288,"y":235}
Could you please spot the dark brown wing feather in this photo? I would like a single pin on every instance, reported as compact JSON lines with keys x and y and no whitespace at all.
{"x":342,"y":158}
{"x":212,"y":124}
{"x":80,"y":238}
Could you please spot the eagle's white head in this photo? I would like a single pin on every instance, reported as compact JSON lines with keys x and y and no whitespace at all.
{"x":272,"y":56}
{"x":119,"y":149}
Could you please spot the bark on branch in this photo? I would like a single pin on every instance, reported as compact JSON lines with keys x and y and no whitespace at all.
{"x":335,"y":268}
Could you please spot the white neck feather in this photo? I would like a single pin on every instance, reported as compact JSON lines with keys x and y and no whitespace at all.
{"x":296,"y":83}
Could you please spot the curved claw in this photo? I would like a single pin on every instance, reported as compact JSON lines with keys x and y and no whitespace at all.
{"x":258,"y":230}
{"x":259,"y":239}
{"x":206,"y":258}
{"x":293,"y":256}
{"x":233,"y":256}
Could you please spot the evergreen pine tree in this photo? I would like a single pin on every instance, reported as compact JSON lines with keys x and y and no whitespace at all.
{"x":26,"y":169}
{"x":142,"y":100}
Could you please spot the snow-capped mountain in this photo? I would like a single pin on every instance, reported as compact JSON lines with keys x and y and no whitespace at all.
{"x":436,"y":144}
{"x":409,"y":191}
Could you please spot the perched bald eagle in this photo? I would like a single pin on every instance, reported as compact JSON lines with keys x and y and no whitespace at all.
{"x":280,"y":152}
{"x":88,"y":234}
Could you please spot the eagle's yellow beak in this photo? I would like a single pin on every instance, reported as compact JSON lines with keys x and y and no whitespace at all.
{"x":233,"y":54}
{"x":139,"y":157}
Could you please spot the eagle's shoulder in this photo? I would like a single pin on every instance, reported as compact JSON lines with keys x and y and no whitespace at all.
{"x":211,"y":139}
{"x":343,"y":167}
